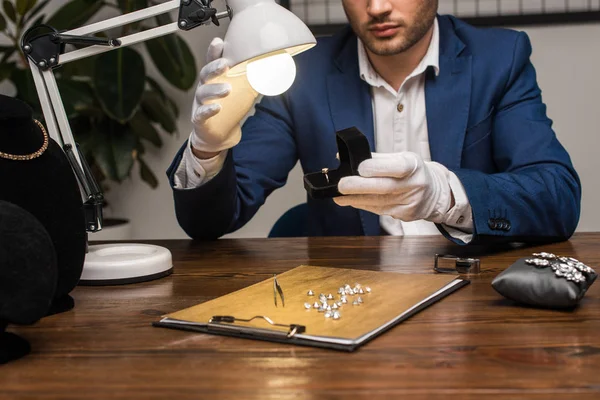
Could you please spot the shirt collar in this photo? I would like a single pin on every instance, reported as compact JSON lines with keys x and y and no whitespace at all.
{"x":431,"y":59}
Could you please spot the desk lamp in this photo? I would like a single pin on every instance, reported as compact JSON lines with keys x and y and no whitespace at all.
{"x":260,"y":41}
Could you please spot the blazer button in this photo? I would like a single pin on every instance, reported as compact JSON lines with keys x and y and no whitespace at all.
{"x":507,"y":227}
{"x":492,"y":224}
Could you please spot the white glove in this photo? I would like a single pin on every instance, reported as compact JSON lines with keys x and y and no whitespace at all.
{"x":205,"y":139}
{"x":401,"y":185}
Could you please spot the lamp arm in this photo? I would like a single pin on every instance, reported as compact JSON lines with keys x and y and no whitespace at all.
{"x":92,"y":193}
{"x":60,"y":131}
{"x":47,"y":51}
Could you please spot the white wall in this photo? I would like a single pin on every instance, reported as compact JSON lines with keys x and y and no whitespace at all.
{"x":566,"y":58}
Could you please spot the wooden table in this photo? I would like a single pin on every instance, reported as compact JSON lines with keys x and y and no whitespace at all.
{"x":472,"y":345}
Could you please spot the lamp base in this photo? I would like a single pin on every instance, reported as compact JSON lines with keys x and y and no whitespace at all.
{"x":122,"y":264}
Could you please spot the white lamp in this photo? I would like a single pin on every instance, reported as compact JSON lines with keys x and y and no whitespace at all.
{"x":259,"y":43}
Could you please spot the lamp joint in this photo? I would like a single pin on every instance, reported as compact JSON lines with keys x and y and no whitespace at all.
{"x":193,"y":13}
{"x":43,"y":44}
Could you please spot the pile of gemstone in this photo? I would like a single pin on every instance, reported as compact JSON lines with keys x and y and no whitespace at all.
{"x":330,"y":306}
{"x":566,"y":267}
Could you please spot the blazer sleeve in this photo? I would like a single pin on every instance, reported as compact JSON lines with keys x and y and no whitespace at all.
{"x":536,"y":195}
{"x":259,"y":164}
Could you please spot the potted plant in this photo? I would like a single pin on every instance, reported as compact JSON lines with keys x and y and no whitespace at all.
{"x":115,"y":109}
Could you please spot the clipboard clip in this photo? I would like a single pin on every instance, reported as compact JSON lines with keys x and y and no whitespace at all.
{"x":461,"y":265}
{"x":228,"y":319}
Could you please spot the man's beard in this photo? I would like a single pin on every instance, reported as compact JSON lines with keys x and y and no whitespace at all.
{"x":412,"y":34}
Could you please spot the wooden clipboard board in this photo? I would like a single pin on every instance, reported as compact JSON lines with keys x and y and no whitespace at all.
{"x":394,"y":297}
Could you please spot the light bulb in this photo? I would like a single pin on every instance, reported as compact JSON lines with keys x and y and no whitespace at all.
{"x":272,"y":75}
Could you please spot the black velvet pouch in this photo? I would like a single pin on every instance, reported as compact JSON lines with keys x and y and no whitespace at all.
{"x":46,"y":187}
{"x":353,"y":148}
{"x":546,"y":281}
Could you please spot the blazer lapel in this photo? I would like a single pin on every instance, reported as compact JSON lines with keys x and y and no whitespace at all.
{"x":350,"y":106}
{"x":448,"y":99}
{"x":349,"y":96}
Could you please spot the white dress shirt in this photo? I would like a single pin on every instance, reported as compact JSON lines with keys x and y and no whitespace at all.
{"x":193,"y":172}
{"x":400,"y":124}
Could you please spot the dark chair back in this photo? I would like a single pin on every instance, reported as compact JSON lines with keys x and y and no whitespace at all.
{"x":293,"y":223}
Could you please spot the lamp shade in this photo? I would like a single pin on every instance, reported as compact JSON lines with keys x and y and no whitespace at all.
{"x":264,"y":35}
{"x":261,"y":28}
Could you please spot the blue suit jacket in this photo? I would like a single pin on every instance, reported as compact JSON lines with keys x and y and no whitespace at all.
{"x":486,"y":123}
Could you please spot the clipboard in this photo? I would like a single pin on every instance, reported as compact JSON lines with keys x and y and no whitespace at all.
{"x":251,"y":312}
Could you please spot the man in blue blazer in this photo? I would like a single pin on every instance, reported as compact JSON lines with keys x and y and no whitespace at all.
{"x":453,"y":114}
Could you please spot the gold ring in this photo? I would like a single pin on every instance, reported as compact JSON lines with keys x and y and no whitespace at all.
{"x":325,"y":171}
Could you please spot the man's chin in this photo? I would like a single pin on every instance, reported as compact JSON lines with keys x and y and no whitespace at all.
{"x":382,"y":47}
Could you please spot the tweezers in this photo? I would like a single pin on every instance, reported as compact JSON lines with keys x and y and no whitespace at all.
{"x":277,"y":290}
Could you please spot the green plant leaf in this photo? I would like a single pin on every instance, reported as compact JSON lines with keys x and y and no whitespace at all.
{"x":37,"y":9}
{"x":170,"y":103}
{"x":174,"y":60}
{"x":173,"y":107}
{"x":113,"y":150}
{"x":39,"y":20}
{"x":141,"y":149}
{"x":146,"y":174}
{"x":83,"y":68}
{"x":23,"y":81}
{"x":23,"y":6}
{"x":132,"y":5}
{"x":143,"y":128}
{"x":155,"y":86}
{"x":5,"y":71}
{"x":2,"y":23}
{"x":76,"y":96}
{"x":81,"y":126}
{"x":158,"y":111}
{"x":119,"y":80}
{"x":74,"y":14}
{"x":6,"y":56}
{"x":9,"y":10}
{"x":7,"y":52}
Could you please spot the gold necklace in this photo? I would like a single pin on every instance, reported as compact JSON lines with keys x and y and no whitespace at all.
{"x":31,"y":156}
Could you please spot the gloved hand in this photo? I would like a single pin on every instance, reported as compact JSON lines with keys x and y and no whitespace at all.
{"x":204,"y":139}
{"x":401,"y":185}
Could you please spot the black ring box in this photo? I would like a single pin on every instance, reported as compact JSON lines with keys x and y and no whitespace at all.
{"x":353,"y":148}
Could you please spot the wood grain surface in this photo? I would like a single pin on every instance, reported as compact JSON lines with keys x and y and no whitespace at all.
{"x":392,"y":294}
{"x":472,"y":345}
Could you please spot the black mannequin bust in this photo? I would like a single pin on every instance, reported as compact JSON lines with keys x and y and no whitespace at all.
{"x":27,"y":276}
{"x":42,"y":182}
